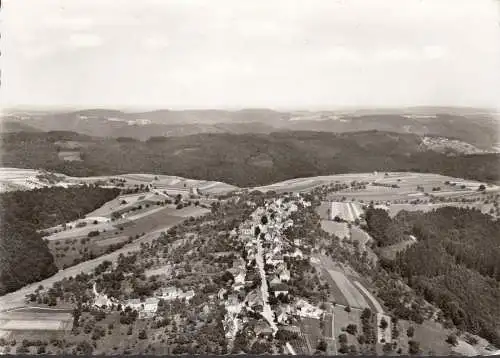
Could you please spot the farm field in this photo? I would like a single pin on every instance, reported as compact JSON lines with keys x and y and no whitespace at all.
{"x":26,"y":179}
{"x":35,"y":324}
{"x":352,"y":295}
{"x":69,"y":247}
{"x":20,"y":179}
{"x":340,"y":230}
{"x":323,"y":210}
{"x":69,"y":156}
{"x":347,"y":211}
{"x":126,"y":201}
{"x":342,"y":320}
{"x":407,"y":180}
{"x":312,"y":332}
{"x":431,"y":336}
{"x":78,"y":231}
{"x":361,"y":236}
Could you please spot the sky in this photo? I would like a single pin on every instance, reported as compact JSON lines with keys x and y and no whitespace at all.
{"x":240,"y":53}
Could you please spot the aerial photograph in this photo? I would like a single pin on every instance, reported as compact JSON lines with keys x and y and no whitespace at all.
{"x":223,"y":177}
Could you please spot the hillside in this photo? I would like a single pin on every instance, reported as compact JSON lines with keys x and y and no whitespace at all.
{"x":25,"y":256}
{"x":474,"y":126}
{"x":241,"y":159}
{"x":259,"y":274}
{"x":461,"y":274}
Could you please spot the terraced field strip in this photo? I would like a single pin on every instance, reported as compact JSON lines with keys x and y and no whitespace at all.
{"x":368,"y":294}
{"x":34,"y":325}
{"x":111,"y":241}
{"x":352,"y":295}
{"x":357,"y":210}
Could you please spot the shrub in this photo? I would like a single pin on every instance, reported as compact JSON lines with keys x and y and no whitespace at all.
{"x":352,"y":329}
{"x":452,"y":339}
{"x":93,"y":233}
{"x":322,"y":346}
{"x":343,"y":338}
{"x":410,"y":331}
{"x":413,"y":347}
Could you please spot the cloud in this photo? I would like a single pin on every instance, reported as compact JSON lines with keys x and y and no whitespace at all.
{"x":434,"y":52}
{"x":60,"y":22}
{"x":83,"y":40}
{"x":155,"y":42}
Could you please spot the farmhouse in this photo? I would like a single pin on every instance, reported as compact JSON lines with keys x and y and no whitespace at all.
{"x":146,"y":308}
{"x":172,"y":293}
{"x":305,"y":309}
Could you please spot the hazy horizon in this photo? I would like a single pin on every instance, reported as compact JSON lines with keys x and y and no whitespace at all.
{"x":125,"y":109}
{"x":281,"y":55}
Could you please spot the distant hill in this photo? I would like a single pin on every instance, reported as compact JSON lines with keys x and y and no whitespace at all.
{"x":243,"y":159}
{"x":8,"y":127}
{"x":475,"y":126}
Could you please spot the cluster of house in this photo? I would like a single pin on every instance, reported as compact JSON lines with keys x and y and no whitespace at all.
{"x":145,"y":307}
{"x":268,"y":233}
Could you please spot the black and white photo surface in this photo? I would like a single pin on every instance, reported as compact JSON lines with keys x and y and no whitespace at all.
{"x":281,"y":177}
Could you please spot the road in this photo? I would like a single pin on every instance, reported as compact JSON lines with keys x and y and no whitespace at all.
{"x":267,"y":311}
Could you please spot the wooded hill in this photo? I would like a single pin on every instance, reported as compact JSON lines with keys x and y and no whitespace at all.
{"x":245,"y":159}
{"x":454,"y":264}
{"x":25,"y":256}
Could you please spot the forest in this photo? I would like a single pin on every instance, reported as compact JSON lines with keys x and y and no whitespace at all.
{"x":259,"y":159}
{"x":454,"y":264}
{"x":25,"y":256}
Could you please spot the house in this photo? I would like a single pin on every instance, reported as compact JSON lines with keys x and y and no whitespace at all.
{"x":283,"y":314}
{"x":296,"y":253}
{"x":275,"y":280}
{"x":222,"y":294}
{"x":279,"y":288}
{"x":284,"y":275}
{"x":305,"y":309}
{"x":171,"y":293}
{"x":146,"y":308}
{"x":276,"y":260}
{"x":254,"y":298}
{"x":101,"y":299}
{"x":247,"y":231}
{"x":239,"y":274}
{"x":262,"y":329}
{"x":188,"y":295}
